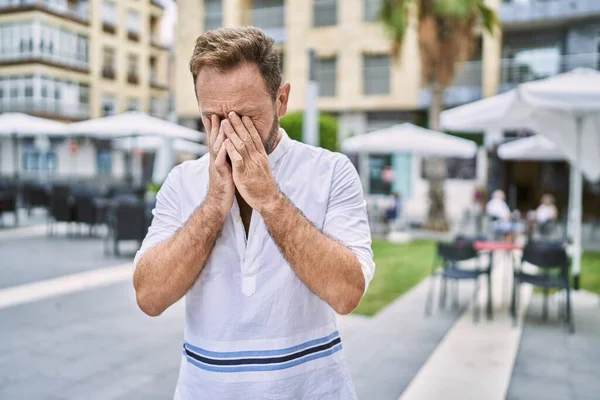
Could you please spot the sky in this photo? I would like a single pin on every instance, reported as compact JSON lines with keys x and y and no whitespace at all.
{"x":169,"y":21}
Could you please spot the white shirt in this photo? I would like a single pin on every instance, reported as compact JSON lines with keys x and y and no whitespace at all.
{"x":498,"y":208}
{"x":545,"y":213}
{"x":253,"y":329}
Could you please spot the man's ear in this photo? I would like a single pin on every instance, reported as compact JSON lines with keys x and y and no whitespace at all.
{"x":283,"y":96}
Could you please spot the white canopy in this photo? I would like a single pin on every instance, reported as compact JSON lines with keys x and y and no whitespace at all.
{"x":564,"y":108}
{"x":133,"y":123}
{"x":26,"y":125}
{"x":155,"y":143}
{"x":536,"y":148}
{"x":410,"y":138}
{"x":548,"y":107}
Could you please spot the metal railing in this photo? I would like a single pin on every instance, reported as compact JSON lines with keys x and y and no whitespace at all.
{"x":46,"y":107}
{"x":35,"y":55}
{"x":81,"y":14}
{"x":522,"y":12}
{"x":514,"y":71}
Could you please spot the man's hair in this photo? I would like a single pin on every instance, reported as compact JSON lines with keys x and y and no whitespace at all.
{"x":226,"y":48}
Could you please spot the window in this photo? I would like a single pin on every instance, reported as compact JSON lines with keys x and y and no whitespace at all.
{"x":109,"y":13}
{"x":29,"y":87}
{"x":133,"y":23}
{"x":156,"y":108}
{"x":108,"y":63}
{"x":324,"y":12}
{"x":103,"y":158}
{"x":380,"y":174}
{"x":325,"y":72}
{"x":109,"y":105}
{"x":133,"y":104}
{"x":213,"y":14}
{"x":371,"y":9}
{"x":525,"y":65}
{"x":82,"y":49}
{"x":153,"y":71}
{"x":132,"y":67}
{"x":84,"y":95}
{"x":57,"y":89}
{"x":34,"y":160}
{"x":376,"y":74}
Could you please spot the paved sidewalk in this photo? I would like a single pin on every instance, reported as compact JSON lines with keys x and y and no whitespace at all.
{"x":388,"y":352}
{"x":551,"y":363}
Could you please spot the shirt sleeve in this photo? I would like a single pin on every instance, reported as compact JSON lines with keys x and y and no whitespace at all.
{"x":346,"y":219}
{"x":167,"y":215}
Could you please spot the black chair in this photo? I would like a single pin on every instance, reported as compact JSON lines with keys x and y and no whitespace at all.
{"x":8,"y":199}
{"x":451,"y":256}
{"x":127,"y":220}
{"x":85,"y":207}
{"x":61,"y":206}
{"x":553,"y":263}
{"x":36,"y":195}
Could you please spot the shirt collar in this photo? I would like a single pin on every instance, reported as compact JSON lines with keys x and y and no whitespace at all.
{"x":282,"y":147}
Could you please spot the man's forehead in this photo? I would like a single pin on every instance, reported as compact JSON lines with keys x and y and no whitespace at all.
{"x":241,"y":89}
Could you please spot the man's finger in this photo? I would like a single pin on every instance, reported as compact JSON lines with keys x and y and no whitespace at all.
{"x":221,"y":160}
{"x":237,"y":161}
{"x":232,"y":135}
{"x":214,"y":130}
{"x":218,"y":142}
{"x":256,"y":139}
{"x":241,"y":130}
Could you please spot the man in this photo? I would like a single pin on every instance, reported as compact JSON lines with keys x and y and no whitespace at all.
{"x":546,"y":214}
{"x":266,"y":237}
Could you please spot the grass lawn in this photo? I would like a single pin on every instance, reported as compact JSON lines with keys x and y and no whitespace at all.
{"x":590,"y":272}
{"x":399,"y":268}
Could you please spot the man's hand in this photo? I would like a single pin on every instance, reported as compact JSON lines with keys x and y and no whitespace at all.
{"x":251,"y":170}
{"x":221,"y":190}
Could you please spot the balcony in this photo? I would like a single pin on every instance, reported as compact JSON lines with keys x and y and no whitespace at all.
{"x":80,"y":13}
{"x":270,"y":19}
{"x":35,"y":56}
{"x":108,"y":73}
{"x":155,"y":83}
{"x":514,"y":71}
{"x":545,"y":12}
{"x":132,"y":78}
{"x":466,"y":88}
{"x":47,"y":108}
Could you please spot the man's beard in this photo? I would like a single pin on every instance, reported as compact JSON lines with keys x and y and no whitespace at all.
{"x":271,"y":140}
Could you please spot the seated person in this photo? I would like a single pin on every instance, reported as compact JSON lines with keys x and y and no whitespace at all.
{"x":499,"y":212}
{"x":546,"y":214}
{"x":393,"y":212}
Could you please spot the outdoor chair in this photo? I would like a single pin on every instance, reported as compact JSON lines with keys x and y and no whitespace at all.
{"x":61,"y":206}
{"x":85,"y":207}
{"x":452,"y":257}
{"x":8,"y":199}
{"x":36,"y":195}
{"x":127,"y":220}
{"x":552,"y":262}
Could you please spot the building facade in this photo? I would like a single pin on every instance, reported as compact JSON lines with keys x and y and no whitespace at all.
{"x":366,"y":88}
{"x":71,"y":60}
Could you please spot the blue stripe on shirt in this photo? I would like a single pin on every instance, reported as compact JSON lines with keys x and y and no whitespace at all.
{"x":261,"y":353}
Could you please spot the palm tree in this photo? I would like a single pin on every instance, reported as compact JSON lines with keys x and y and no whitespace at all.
{"x":447,"y":36}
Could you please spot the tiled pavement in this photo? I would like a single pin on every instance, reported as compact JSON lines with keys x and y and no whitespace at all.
{"x":96,"y":344}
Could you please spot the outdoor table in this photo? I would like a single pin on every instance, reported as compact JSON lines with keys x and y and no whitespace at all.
{"x":499,"y":246}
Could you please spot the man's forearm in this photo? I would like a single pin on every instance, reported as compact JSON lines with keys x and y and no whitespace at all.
{"x":328,"y":268}
{"x":167,"y":271}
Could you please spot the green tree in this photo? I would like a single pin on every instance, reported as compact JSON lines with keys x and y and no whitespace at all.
{"x":328,"y":129}
{"x":447,"y":36}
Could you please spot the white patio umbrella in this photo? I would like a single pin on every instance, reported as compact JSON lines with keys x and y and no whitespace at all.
{"x":164,"y":148}
{"x":27,"y":125}
{"x":135,"y":125}
{"x":132,"y":124}
{"x":566,"y":109}
{"x":535,"y":148}
{"x":410,"y":138}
